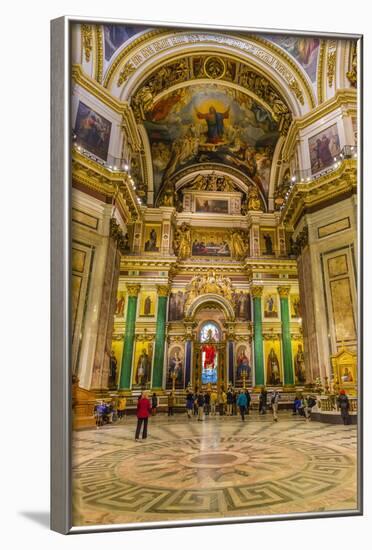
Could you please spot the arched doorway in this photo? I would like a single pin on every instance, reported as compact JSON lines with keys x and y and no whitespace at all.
{"x":210,"y":346}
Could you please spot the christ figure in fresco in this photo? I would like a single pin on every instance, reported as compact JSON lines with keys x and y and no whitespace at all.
{"x":215,"y":124}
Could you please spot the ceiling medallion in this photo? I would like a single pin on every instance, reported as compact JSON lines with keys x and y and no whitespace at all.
{"x":214,"y":67}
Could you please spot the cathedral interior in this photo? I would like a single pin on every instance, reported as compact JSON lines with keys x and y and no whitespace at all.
{"x":214,"y":245}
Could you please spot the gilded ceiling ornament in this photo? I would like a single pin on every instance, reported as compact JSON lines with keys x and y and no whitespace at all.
{"x":87,"y":36}
{"x":210,"y":283}
{"x":212,"y":182}
{"x":214,"y":67}
{"x":254,"y":201}
{"x":294,"y":86}
{"x":133,"y":290}
{"x":331,"y":65}
{"x":283,"y":291}
{"x":257,"y":291}
{"x":352,"y":74}
{"x":128,"y":69}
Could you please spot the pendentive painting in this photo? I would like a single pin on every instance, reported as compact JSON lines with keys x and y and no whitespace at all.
{"x":214,"y":302}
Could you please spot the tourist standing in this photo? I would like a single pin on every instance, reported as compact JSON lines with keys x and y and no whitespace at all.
{"x":189,"y":404}
{"x":344,"y":406}
{"x":207,"y":406}
{"x":242,"y":404}
{"x":201,"y":402}
{"x":122,"y":405}
{"x":248,"y":396}
{"x":213,"y":402}
{"x":154,"y":404}
{"x":229,"y":402}
{"x":296,"y":405}
{"x":143,"y":413}
{"x":262,"y":401}
{"x":306,"y":408}
{"x":274,"y":404}
{"x":234,"y":397}
{"x":170,"y":404}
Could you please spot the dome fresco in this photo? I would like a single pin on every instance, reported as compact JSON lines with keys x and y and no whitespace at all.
{"x":210,"y":123}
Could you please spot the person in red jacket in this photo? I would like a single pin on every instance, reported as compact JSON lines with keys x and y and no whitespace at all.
{"x":143,"y":413}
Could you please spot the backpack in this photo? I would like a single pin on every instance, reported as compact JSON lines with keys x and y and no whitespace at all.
{"x":311,"y":402}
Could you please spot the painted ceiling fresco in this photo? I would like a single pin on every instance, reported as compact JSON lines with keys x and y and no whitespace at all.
{"x":213,"y":124}
{"x":116,"y":35}
{"x":305,"y":50}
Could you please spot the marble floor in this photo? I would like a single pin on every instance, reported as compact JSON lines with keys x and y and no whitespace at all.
{"x":217,"y":468}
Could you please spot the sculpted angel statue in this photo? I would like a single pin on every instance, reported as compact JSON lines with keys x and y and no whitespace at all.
{"x":238,"y":244}
{"x":182,"y":241}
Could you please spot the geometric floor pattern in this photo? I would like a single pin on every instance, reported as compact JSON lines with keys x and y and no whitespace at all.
{"x":221,"y":467}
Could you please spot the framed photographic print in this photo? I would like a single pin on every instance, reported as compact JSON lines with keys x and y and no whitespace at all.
{"x":206,"y":323}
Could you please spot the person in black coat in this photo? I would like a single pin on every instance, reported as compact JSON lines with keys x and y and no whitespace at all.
{"x":344,"y":406}
{"x":262,"y":401}
{"x":248,"y":396}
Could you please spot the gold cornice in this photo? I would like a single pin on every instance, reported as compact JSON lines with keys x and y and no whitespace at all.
{"x":98,"y":178}
{"x":310,"y":196}
{"x":97,"y":90}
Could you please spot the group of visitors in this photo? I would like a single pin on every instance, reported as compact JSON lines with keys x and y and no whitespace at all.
{"x":302,"y":406}
{"x":210,"y":403}
{"x":207,"y":403}
{"x":107,"y":412}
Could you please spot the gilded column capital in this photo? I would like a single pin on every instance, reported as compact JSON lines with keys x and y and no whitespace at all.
{"x":133,"y":290}
{"x":284,"y":291}
{"x":163,"y":290}
{"x":257,"y":291}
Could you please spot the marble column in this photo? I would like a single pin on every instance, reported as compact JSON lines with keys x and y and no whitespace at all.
{"x":157,"y":377}
{"x":286,"y":335}
{"x":258,"y":339}
{"x":130,"y":325}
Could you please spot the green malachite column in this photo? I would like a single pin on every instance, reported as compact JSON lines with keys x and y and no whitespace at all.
{"x":157,"y":377}
{"x":258,"y":339}
{"x":286,"y":335}
{"x":130,"y":325}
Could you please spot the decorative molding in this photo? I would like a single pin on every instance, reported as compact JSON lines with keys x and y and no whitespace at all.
{"x":99,"y":54}
{"x":327,"y":189}
{"x":257,"y":291}
{"x":163,"y":290}
{"x":331,"y":66}
{"x":352,"y":73}
{"x":87,"y":40}
{"x":133,"y":289}
{"x":284,"y":291}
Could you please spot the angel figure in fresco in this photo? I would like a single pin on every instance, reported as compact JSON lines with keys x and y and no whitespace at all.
{"x":273,"y":369}
{"x":215,"y":124}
